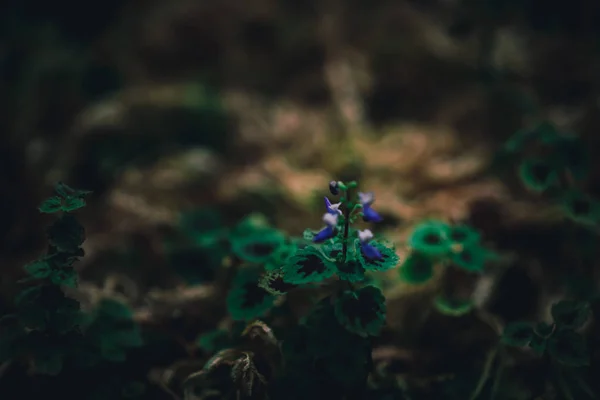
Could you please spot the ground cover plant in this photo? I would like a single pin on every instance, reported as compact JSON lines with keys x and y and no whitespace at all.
{"x":305,"y":316}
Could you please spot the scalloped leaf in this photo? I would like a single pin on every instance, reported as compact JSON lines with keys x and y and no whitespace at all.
{"x":537,"y":174}
{"x":258,"y":248}
{"x":308,"y":265}
{"x":518,"y":334}
{"x":388,"y":261}
{"x":430,"y":238}
{"x":470,"y":258}
{"x":463,"y":234}
{"x":246,"y":300}
{"x":571,"y":314}
{"x":452,"y":307}
{"x":569,"y":348}
{"x":51,"y":205}
{"x":274,"y":283}
{"x":581,"y":208}
{"x":417,"y":269}
{"x":66,"y":233}
{"x":361,"y":311}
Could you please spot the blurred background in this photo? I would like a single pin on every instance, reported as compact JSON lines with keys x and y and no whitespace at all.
{"x":162,"y":107}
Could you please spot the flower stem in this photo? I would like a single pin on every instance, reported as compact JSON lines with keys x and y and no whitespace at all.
{"x":348,"y":208}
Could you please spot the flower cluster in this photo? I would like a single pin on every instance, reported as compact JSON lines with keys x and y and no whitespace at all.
{"x":338,"y":250}
{"x":334,"y":217}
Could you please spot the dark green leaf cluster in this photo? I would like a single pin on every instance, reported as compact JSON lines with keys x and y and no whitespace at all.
{"x":560,"y":340}
{"x":209,"y":242}
{"x":556,"y":164}
{"x":247,"y":300}
{"x":46,"y":321}
{"x":321,"y":352}
{"x":436,"y":242}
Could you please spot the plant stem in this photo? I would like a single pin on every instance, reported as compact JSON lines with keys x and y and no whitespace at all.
{"x":499,"y":372}
{"x":347,"y":211}
{"x":487,"y":369}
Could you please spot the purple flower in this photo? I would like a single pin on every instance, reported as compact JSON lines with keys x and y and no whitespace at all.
{"x":333,"y":209}
{"x":369,"y":215}
{"x":331,"y":220}
{"x":369,"y":251}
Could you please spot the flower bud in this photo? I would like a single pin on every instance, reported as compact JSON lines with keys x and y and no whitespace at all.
{"x":334,"y":188}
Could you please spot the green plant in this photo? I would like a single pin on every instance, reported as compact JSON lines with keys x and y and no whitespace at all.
{"x":46,"y":320}
{"x":451,"y":246}
{"x":329,"y":350}
{"x":557,"y":165}
{"x":560,"y":344}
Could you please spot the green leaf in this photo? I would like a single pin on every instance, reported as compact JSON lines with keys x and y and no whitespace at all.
{"x":581,"y":208}
{"x":250,"y":225}
{"x":543,"y":329}
{"x":569,"y":348}
{"x":325,"y":335}
{"x":283,"y":254}
{"x":538,"y":174}
{"x":538,"y":344}
{"x":64,"y":276}
{"x":28,"y":295}
{"x":520,"y":139}
{"x":258,"y":248}
{"x":361,"y":311}
{"x":471,"y":258}
{"x":570,"y":314}
{"x":38,"y":269}
{"x":51,"y":205}
{"x":388,"y":261}
{"x":517,"y":334}
{"x":308,"y":265}
{"x":430,"y":238}
{"x":66,"y":191}
{"x":451,"y":306}
{"x":73,"y":203}
{"x":463,"y":234}
{"x":308,"y":234}
{"x":66,"y":233}
{"x":246,"y":300}
{"x":351,"y":271}
{"x":274,"y":283}
{"x":416,"y":269}
{"x":66,"y":320}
